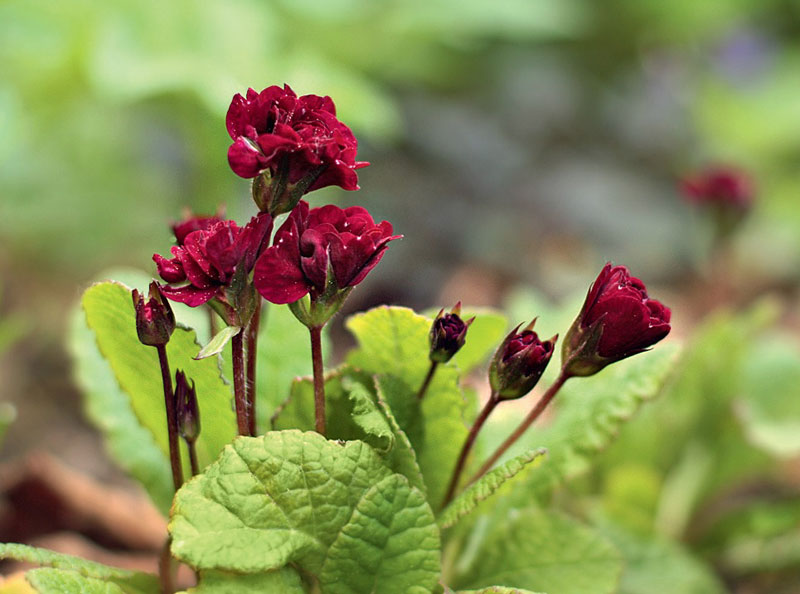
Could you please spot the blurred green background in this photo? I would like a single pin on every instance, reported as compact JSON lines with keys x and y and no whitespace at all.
{"x":512,"y":142}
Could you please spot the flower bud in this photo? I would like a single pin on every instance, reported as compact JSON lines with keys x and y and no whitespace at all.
{"x":186,"y":408}
{"x":155,"y":321}
{"x":617,"y":320}
{"x":519,"y":363}
{"x":448,"y":334}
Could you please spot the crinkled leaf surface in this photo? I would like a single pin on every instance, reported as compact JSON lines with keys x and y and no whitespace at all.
{"x":542,"y":551}
{"x":393,"y":344}
{"x":66,"y":574}
{"x":131,"y":445}
{"x":353,"y":411}
{"x":293,"y":497}
{"x":485,"y":487}
{"x":110,"y":314}
{"x":280,"y":581}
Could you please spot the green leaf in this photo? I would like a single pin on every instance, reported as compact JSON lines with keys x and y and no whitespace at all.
{"x":588,"y":415}
{"x":292,"y":497}
{"x":485,"y":487}
{"x":654,"y":564}
{"x":7,"y":415}
{"x":284,"y":353}
{"x":217,"y":344}
{"x":545,"y":551}
{"x":131,"y":445}
{"x":59,"y":581}
{"x":496,"y":590}
{"x":393,"y":345}
{"x":110,"y":314}
{"x":387,"y":546}
{"x":768,"y":407}
{"x":72,"y":574}
{"x":280,"y":581}
{"x":353,"y":411}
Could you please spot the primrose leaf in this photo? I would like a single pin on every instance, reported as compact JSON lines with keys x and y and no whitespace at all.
{"x":484,"y":487}
{"x":393,"y":345}
{"x":494,"y":590}
{"x":353,"y":411}
{"x":217,"y":344}
{"x":66,"y":574}
{"x":110,"y":314}
{"x":131,"y":445}
{"x":280,"y":581}
{"x":385,"y":547}
{"x":543,"y":551}
{"x":292,"y":497}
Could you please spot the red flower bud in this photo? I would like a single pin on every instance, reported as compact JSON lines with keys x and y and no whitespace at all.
{"x":448,"y":334}
{"x":321,"y":251}
{"x":721,"y":186}
{"x":186,"y":408}
{"x":617,"y":320}
{"x":519,"y":362}
{"x":297,"y":140}
{"x":209,"y":258}
{"x":155,"y":321}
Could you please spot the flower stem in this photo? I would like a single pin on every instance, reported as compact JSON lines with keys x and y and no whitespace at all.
{"x":239,"y":392}
{"x":172,"y":418}
{"x":319,"y":378}
{"x":532,"y":416}
{"x":193,"y":457}
{"x":252,"y":345}
{"x":468,"y":443}
{"x":426,"y":382}
{"x":166,"y":567}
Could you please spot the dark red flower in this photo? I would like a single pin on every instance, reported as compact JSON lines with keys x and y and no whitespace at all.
{"x":448,"y":334}
{"x":617,"y":320}
{"x":209,"y":258}
{"x":191,"y":223}
{"x":519,"y":362}
{"x":155,"y":321}
{"x":720,"y":186}
{"x":320,"y":251}
{"x":276,"y":126}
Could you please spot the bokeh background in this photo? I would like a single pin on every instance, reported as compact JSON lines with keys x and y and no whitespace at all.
{"x":513,"y":142}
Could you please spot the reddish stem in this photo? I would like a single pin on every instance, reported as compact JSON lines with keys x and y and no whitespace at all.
{"x":532,"y":416}
{"x":426,"y":382}
{"x":252,"y":345}
{"x":468,"y":443}
{"x":172,"y":418}
{"x":319,"y":378}
{"x":239,"y":391}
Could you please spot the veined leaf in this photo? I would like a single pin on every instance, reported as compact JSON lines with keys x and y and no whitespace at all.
{"x":485,"y":487}
{"x":280,"y":581}
{"x":131,"y":445}
{"x":66,"y":574}
{"x":292,"y":497}
{"x":110,"y":314}
{"x":543,"y":551}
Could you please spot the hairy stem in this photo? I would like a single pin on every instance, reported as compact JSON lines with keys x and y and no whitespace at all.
{"x":319,"y":378}
{"x":532,"y":416}
{"x":172,"y":418}
{"x":239,"y":391}
{"x":252,"y":347}
{"x":427,"y":381}
{"x":468,"y":443}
